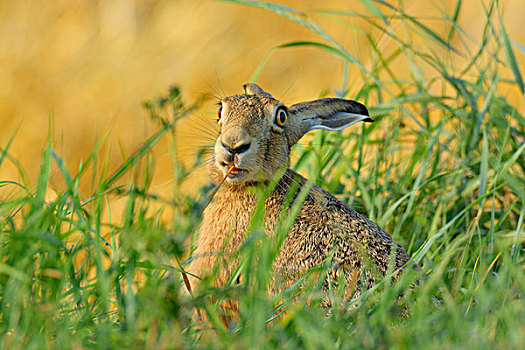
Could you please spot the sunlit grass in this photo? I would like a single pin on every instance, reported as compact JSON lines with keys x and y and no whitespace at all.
{"x":442,"y":170}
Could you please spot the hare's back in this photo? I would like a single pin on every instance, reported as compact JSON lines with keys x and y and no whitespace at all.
{"x":327,"y":227}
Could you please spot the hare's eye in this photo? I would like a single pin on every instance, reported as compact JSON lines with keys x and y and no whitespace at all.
{"x":281,"y":117}
{"x":219,"y":114}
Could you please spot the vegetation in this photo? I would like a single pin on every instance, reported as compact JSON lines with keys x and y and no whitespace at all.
{"x":442,"y":170}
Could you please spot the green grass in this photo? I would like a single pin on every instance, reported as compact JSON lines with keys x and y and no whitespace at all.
{"x":442,"y":170}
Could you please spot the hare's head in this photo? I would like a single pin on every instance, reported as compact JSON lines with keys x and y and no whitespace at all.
{"x":258,"y":131}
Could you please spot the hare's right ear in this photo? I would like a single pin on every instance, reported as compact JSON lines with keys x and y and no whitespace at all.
{"x":326,"y":113}
{"x":254,"y":89}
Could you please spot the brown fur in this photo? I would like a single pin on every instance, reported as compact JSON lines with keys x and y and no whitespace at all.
{"x":325,"y":226}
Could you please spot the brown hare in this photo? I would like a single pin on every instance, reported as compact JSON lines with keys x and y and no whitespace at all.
{"x":254,"y":142}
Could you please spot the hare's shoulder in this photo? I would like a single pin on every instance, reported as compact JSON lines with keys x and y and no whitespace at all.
{"x":322,"y":208}
{"x":330,"y":222}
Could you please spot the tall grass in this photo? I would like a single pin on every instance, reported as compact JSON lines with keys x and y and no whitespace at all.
{"x":441,"y":169}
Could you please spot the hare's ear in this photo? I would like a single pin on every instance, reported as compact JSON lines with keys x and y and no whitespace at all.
{"x":254,"y":89}
{"x":326,"y":113}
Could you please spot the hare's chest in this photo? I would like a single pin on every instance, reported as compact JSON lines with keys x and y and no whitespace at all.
{"x":228,"y":221}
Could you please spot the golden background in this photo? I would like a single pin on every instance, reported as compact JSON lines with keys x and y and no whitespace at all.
{"x":91,"y":64}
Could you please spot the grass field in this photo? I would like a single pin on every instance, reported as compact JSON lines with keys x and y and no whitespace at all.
{"x":442,"y":170}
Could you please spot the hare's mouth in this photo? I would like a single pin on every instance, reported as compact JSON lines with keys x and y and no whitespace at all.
{"x":237,"y":172}
{"x":234,"y":173}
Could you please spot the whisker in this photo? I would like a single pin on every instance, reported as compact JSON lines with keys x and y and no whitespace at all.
{"x":185,"y":159}
{"x":189,"y":156}
{"x":287,"y":188}
{"x":202,"y":129}
{"x":207,"y":147}
{"x":219,"y":82}
{"x":286,"y":176}
{"x":193,"y":147}
{"x":215,"y":95}
{"x":203,"y":137}
{"x":310,"y":143}
{"x":204,"y":121}
{"x":200,"y":167}
{"x":206,"y":126}
{"x":282,"y":186}
{"x":283,"y":95}
{"x":196,"y":139}
{"x":214,"y":89}
{"x":206,"y":132}
{"x":202,"y":124}
{"x":299,"y":185}
{"x":196,"y":148}
{"x":163,"y":184}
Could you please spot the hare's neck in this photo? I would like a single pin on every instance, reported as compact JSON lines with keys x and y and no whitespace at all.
{"x":228,"y":216}
{"x":239,"y":201}
{"x":233,"y":194}
{"x":226,"y":219}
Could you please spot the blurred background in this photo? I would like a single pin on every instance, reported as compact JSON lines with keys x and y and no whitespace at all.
{"x":92,"y":64}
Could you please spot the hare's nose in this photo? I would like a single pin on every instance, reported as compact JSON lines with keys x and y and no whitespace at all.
{"x":236,"y":140}
{"x":238,"y":149}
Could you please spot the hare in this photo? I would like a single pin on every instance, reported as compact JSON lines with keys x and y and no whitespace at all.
{"x":256,"y":135}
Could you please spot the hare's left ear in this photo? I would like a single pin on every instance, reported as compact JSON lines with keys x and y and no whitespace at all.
{"x":326,"y":113}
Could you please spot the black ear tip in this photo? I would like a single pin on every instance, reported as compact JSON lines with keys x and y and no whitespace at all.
{"x":359,"y":108}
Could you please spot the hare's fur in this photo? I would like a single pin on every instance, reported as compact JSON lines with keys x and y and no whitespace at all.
{"x":252,"y":143}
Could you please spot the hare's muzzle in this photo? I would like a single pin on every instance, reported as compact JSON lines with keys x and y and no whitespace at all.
{"x":234,"y":154}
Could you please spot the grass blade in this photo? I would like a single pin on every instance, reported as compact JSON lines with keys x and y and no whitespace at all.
{"x":6,"y":148}
{"x":511,"y":59}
